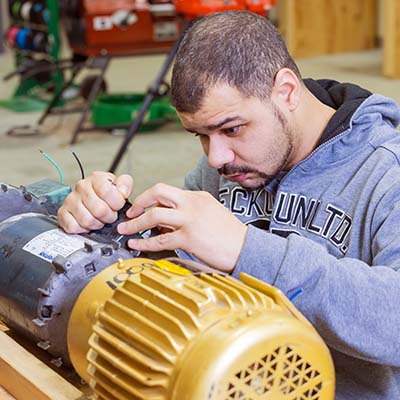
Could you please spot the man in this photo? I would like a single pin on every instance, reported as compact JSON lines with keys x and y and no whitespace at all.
{"x":299,"y":187}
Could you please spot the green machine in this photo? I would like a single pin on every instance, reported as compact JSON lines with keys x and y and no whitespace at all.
{"x":121,"y":109}
{"x":34,"y":38}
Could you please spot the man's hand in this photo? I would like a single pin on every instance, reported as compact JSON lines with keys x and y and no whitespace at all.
{"x":94,"y":202}
{"x":192,"y":221}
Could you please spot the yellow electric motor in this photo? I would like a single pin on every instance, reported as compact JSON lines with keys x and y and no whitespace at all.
{"x":153,"y":330}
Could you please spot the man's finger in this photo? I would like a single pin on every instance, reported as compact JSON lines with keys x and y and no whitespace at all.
{"x":69,"y":223}
{"x":86,"y":219}
{"x":165,"y":241}
{"x":124,"y":184}
{"x":91,"y":201}
{"x":107,"y":191}
{"x":157,"y":216}
{"x":158,"y":195}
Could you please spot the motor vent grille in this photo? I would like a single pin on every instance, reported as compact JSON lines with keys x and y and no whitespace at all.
{"x":281,"y":372}
{"x":143,"y":328}
{"x":165,"y":336}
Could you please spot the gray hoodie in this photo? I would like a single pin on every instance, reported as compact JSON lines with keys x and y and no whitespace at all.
{"x":329,"y":231}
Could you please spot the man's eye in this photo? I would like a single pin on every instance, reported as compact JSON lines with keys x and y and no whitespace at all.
{"x":232,"y":131}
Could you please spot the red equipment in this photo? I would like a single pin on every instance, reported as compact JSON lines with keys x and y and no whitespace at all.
{"x":118,"y":27}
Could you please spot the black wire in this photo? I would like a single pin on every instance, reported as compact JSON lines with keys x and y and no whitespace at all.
{"x":80,"y":165}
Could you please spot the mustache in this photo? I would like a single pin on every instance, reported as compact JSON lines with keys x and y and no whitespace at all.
{"x":227,"y":170}
{"x":233,"y":169}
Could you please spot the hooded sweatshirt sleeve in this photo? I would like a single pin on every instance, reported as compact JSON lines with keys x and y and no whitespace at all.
{"x":353,"y":304}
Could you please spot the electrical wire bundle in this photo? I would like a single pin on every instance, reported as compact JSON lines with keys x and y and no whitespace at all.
{"x":34,"y":12}
{"x":29,"y":27}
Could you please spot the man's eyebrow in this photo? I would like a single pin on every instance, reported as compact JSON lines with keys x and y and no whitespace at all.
{"x":218,"y":125}
{"x":222,"y":123}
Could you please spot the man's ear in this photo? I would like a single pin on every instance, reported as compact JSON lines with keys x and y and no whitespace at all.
{"x":286,"y":89}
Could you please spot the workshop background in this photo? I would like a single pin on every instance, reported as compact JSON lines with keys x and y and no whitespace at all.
{"x":352,"y":41}
{"x":348,"y":41}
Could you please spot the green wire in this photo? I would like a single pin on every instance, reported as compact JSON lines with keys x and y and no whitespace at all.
{"x":60,"y":174}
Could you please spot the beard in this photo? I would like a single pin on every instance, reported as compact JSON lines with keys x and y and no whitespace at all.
{"x":279,"y":159}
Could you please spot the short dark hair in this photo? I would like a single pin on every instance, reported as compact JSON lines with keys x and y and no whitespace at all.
{"x":240,"y":48}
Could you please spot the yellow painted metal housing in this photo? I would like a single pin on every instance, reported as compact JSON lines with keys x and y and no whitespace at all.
{"x":166,"y":334}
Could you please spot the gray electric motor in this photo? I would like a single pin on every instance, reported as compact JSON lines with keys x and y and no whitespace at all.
{"x":42,"y":272}
{"x":43,"y":269}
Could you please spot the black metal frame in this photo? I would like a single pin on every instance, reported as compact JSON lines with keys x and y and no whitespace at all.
{"x":153,"y":92}
{"x":101,"y":63}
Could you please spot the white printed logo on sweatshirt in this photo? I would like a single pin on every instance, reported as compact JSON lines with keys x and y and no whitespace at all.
{"x":293,"y":212}
{"x":251,"y":207}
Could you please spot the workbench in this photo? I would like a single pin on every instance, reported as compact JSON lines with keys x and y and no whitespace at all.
{"x":26,"y":373}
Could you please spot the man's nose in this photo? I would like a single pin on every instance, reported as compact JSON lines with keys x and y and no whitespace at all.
{"x":219,"y":153}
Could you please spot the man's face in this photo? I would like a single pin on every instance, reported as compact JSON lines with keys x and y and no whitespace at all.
{"x":248,"y":140}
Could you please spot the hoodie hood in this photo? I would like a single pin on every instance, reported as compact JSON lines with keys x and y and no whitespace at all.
{"x":345,"y":98}
{"x":362,"y":120}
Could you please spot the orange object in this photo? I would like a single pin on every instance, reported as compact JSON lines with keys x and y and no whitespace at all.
{"x":123,"y":26}
{"x":195,"y":8}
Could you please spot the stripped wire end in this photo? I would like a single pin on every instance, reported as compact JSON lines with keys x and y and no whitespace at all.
{"x":47,"y":157}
